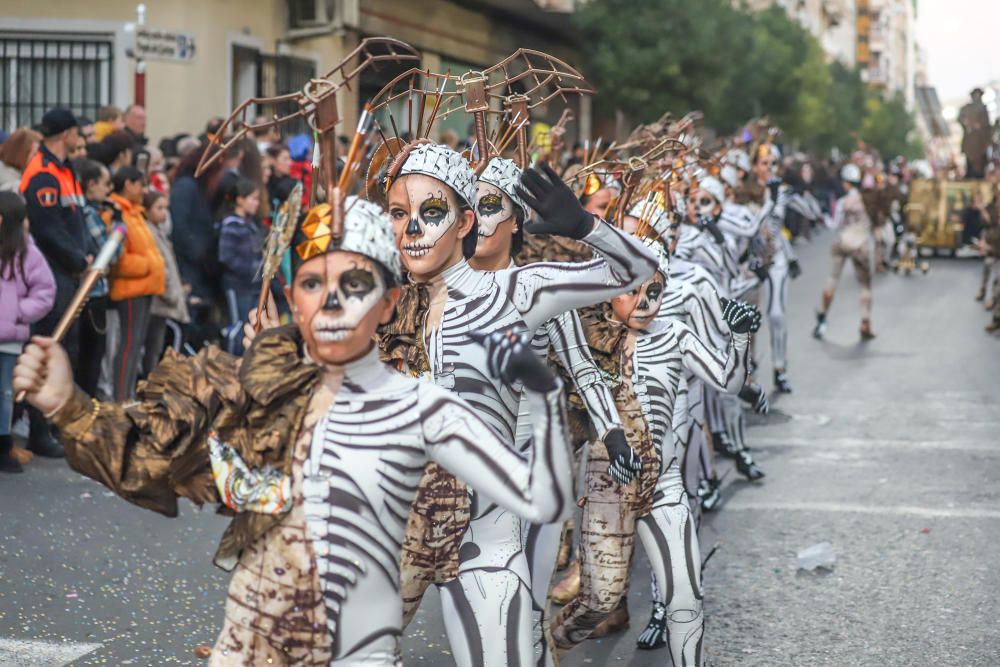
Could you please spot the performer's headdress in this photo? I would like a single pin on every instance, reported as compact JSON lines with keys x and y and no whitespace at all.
{"x":503,"y":94}
{"x":437,"y":161}
{"x":714,"y":187}
{"x":367,"y":230}
{"x":504,"y":174}
{"x":662,"y":255}
{"x":316,"y":104}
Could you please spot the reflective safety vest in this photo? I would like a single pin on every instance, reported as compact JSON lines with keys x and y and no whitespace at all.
{"x":67,"y":192}
{"x":55,"y":205}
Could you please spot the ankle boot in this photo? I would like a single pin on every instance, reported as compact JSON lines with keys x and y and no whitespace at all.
{"x":745,"y":466}
{"x":781,"y":382}
{"x":569,"y":587}
{"x":40,"y":439}
{"x":722,"y":444}
{"x":866,"y":330}
{"x":820,"y":329}
{"x":655,"y":634}
{"x":710,"y":494}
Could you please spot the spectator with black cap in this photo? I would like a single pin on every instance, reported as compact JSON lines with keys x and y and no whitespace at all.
{"x":55,"y":204}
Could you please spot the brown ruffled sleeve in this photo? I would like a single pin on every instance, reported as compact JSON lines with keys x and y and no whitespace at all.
{"x":153,"y":451}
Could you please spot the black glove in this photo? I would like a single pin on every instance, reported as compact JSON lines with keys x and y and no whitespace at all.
{"x":755,"y":395}
{"x":708,"y":224}
{"x":510,"y":358}
{"x":559,"y":211}
{"x":741,"y":317}
{"x":794,"y":270}
{"x":773,"y":184}
{"x":625,"y":464}
{"x":758,"y":267}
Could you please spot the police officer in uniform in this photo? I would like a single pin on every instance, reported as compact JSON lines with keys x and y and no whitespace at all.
{"x":55,"y":213}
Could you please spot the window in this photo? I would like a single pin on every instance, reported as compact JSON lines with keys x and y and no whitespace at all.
{"x":38,"y":73}
{"x":256,"y":74}
{"x":307,"y":14}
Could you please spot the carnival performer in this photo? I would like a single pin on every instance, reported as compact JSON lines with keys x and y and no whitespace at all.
{"x":314,"y":446}
{"x":485,"y":594}
{"x":803,"y":211}
{"x":646,"y":358}
{"x":854,"y":241}
{"x":705,"y":244}
{"x":783,"y":265}
{"x":500,"y":218}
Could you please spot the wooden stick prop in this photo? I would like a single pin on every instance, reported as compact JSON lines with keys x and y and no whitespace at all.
{"x":518,"y":105}
{"x":97,"y":269}
{"x":476,"y":105}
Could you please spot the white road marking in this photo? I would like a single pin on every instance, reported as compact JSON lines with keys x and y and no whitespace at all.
{"x":759,"y":440}
{"x":32,"y":653}
{"x":738,"y":505}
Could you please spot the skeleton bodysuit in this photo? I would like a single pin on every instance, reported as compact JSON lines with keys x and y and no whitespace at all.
{"x":692,"y":297}
{"x":650,"y":366}
{"x":366,"y":459}
{"x":778,"y":276}
{"x":564,"y":336}
{"x":493,"y":580}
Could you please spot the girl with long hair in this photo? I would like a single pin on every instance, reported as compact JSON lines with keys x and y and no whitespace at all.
{"x":27,"y":292}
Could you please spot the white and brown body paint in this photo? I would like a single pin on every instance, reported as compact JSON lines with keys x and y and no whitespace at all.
{"x":655,"y":362}
{"x":488,"y":608}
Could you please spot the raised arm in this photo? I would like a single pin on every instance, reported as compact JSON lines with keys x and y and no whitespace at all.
{"x":537,"y":487}
{"x":545,"y":289}
{"x":703,"y":309}
{"x":723,"y":372}
{"x":149,"y":452}
{"x":738,"y":221}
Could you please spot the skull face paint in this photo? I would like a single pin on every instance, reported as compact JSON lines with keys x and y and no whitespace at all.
{"x":637,"y":309}
{"x":497,"y":224}
{"x":493,"y":207}
{"x":334,"y":298}
{"x":706,"y":204}
{"x":424,"y":212}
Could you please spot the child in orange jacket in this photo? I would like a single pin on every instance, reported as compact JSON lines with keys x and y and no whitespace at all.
{"x":137,"y":277}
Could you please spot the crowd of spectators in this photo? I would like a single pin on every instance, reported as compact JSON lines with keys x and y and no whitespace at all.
{"x":185,"y":275}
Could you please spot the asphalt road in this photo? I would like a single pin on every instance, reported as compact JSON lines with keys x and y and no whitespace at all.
{"x":889,"y":450}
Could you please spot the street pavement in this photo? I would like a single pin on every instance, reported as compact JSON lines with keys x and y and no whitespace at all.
{"x":889,"y":450}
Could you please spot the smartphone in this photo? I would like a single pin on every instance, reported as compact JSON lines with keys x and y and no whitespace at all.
{"x":142,"y":162}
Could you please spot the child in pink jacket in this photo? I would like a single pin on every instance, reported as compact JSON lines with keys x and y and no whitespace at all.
{"x":27,"y":292}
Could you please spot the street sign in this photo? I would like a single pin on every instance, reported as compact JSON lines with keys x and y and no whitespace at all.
{"x":159,"y":44}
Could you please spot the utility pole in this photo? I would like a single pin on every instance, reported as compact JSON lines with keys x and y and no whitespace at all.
{"x":140,"y":64}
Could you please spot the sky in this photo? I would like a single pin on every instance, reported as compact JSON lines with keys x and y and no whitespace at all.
{"x":962,"y":42}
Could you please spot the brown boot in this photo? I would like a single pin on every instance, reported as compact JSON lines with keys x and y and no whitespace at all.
{"x":617,"y":621}
{"x":569,"y":587}
{"x":866,"y":330}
